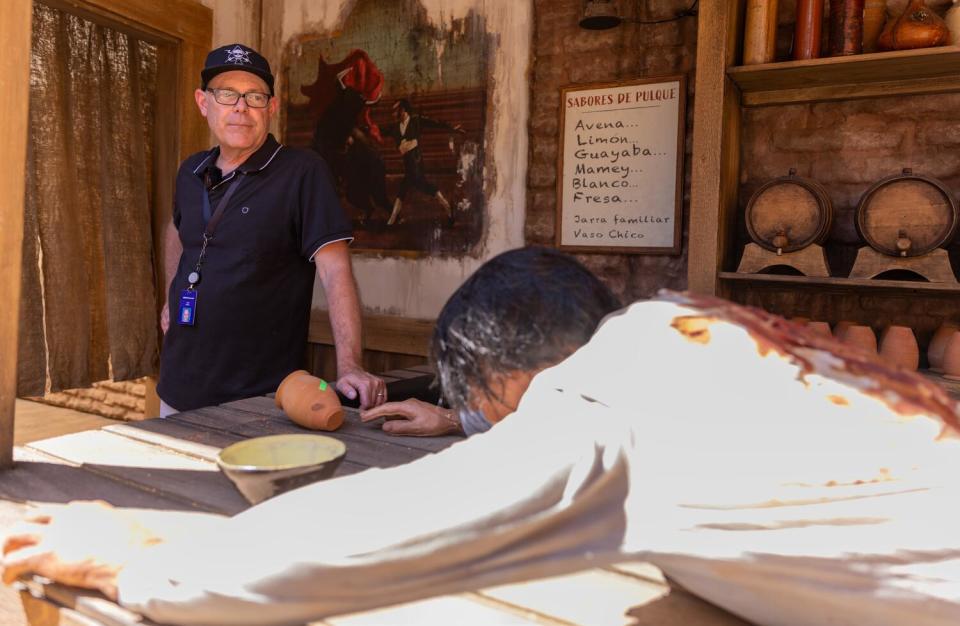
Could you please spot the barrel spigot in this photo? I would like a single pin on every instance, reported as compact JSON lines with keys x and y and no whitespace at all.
{"x":903,"y":243}
{"x":780,"y":240}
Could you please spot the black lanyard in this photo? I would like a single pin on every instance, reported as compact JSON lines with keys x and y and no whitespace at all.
{"x":194,"y":277}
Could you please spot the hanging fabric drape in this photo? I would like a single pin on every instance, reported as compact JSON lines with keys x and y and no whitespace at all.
{"x":88,"y":309}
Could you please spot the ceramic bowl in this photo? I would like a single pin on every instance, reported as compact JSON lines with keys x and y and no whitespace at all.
{"x":263,"y":467}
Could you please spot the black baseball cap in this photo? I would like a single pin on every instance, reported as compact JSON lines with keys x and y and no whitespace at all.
{"x":235,"y":57}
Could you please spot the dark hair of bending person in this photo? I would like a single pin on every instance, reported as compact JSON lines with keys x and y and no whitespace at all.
{"x":521,"y":312}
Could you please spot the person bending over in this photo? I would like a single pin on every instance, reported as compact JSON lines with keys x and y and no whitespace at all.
{"x":529,"y":308}
{"x":780,"y":475}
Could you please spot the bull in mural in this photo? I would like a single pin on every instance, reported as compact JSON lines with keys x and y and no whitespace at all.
{"x":345,"y":134}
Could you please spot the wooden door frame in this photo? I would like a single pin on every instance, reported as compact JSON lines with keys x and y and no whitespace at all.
{"x":182,"y":30}
{"x":14,"y":116}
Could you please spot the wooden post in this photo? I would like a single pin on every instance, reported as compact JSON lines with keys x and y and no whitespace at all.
{"x":716,"y":144}
{"x":15,"y":86}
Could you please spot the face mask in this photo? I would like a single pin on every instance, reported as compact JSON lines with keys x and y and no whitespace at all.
{"x":473,"y":422}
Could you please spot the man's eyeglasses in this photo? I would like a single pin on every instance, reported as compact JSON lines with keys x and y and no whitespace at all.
{"x":229,"y":97}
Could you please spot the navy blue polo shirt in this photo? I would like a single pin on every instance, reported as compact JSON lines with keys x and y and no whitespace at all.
{"x":253,"y":299}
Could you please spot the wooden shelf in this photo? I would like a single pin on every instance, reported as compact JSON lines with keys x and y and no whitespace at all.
{"x":904,"y":72}
{"x":843,"y":283}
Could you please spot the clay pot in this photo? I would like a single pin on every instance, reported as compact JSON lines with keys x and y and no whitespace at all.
{"x":841,"y":328}
{"x":938,"y":344}
{"x":917,"y":27}
{"x":820,"y":328}
{"x":951,"y":357}
{"x":310,"y":401}
{"x":898,"y":348}
{"x":861,"y":337}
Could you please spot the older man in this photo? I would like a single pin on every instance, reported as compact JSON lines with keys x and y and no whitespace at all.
{"x":251,"y":221}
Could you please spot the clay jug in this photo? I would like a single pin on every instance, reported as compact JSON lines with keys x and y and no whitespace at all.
{"x":938,"y":344}
{"x":820,"y":328}
{"x":917,"y":27}
{"x":863,"y":338}
{"x":309,"y":401}
{"x":951,"y":357}
{"x":898,"y":348}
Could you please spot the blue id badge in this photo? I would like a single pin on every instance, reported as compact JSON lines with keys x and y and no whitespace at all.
{"x":188,"y":307}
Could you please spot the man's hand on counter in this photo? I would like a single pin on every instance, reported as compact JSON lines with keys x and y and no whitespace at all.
{"x":356,"y":383}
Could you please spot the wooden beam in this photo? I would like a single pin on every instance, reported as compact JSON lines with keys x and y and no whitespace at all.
{"x":716,"y":144}
{"x":384,"y":333}
{"x":170,"y":20}
{"x":183,"y":29}
{"x":15,"y":85}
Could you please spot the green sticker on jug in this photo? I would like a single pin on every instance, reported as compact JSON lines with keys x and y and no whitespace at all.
{"x":323,"y":385}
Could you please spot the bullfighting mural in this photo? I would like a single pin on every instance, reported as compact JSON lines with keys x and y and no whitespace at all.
{"x":397,"y":105}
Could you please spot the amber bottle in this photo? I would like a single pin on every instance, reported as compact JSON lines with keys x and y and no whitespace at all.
{"x":759,"y":41}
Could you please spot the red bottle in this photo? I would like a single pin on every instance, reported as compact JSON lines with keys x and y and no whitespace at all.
{"x":806,"y":37}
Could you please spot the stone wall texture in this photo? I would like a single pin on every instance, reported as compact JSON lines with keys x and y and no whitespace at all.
{"x":564,"y":54}
{"x":121,"y":401}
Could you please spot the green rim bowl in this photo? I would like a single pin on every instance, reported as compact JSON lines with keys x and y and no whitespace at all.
{"x":263,"y":467}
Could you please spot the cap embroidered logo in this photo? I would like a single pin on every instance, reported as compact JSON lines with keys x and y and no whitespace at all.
{"x":238,"y":55}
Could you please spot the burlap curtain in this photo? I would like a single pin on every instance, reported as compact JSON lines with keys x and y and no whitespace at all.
{"x":88,"y":307}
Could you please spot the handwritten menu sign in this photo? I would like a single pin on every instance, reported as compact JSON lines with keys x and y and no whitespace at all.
{"x":621,"y":162}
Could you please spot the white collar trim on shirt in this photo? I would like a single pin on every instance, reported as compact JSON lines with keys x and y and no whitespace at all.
{"x":260,"y":169}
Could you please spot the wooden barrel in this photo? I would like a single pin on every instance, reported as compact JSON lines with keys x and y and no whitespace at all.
{"x":789,"y":213}
{"x":907,"y":215}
